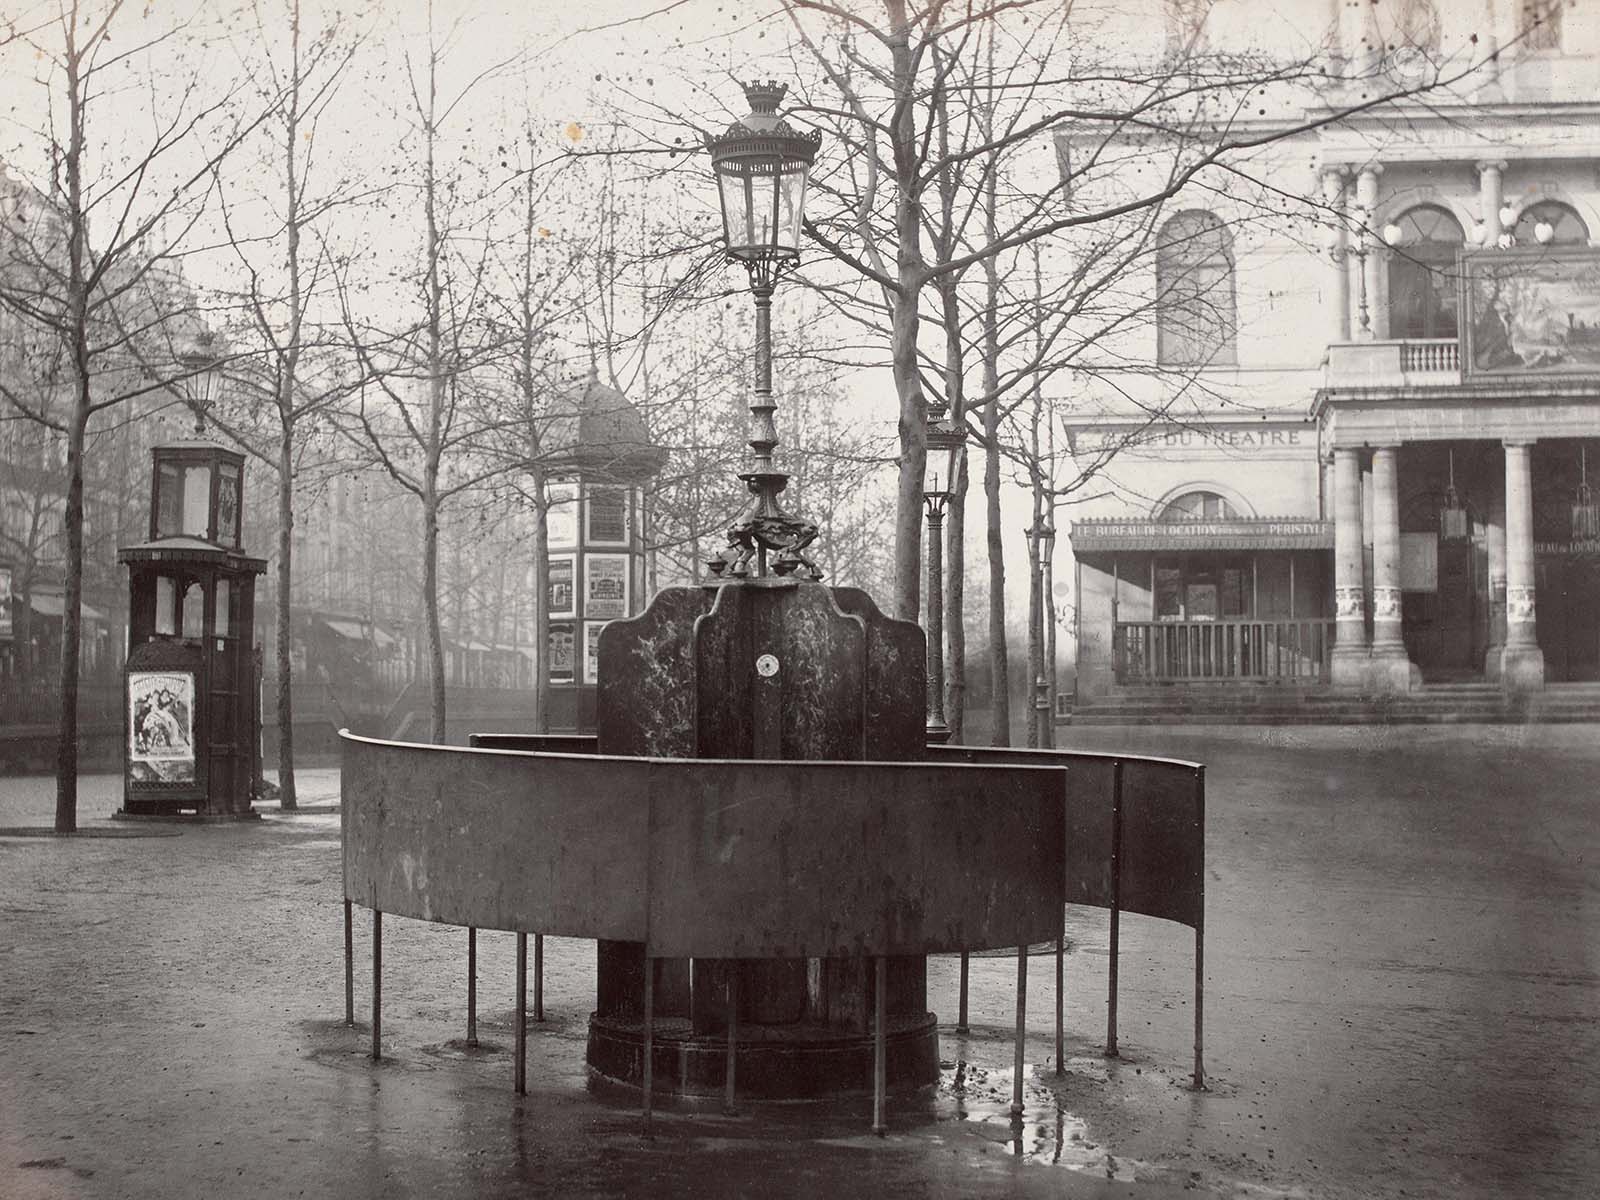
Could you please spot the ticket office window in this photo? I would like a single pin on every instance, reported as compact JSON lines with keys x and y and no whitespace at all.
{"x":1202,"y":588}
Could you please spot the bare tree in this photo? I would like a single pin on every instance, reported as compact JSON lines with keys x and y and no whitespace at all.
{"x":282,"y":279}
{"x":115,"y":302}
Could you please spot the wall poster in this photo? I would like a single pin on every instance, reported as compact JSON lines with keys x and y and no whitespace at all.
{"x":605,"y":586}
{"x":161,"y":727}
{"x":6,"y":630}
{"x":563,"y":593}
{"x":591,"y":650}
{"x":561,"y":521}
{"x":561,"y":653}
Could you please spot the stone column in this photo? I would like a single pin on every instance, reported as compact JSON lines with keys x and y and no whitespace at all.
{"x":1392,"y":670}
{"x":1361,"y":214}
{"x":1338,"y":306}
{"x":1350,"y":655}
{"x":1522,"y":662}
{"x":1494,"y":536}
{"x":1490,"y":198}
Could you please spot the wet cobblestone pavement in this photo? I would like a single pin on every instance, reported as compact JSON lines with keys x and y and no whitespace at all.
{"x":1402,"y":1000}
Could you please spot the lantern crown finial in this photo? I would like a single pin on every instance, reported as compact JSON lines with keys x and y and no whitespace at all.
{"x":764,"y":96}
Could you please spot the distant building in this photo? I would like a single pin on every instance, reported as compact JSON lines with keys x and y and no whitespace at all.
{"x":1377,"y":475}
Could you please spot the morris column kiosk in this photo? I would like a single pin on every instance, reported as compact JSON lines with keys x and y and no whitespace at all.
{"x":192,"y":704}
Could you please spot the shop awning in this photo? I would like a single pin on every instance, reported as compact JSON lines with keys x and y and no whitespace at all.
{"x":355,"y":631}
{"x":1251,"y":533}
{"x":49,"y":604}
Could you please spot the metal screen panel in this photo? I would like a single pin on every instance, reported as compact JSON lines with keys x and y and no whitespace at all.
{"x":496,"y":840}
{"x":1163,"y":841}
{"x":754,"y":860}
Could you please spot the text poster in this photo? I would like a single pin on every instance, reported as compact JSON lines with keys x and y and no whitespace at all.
{"x":605,"y":586}
{"x":607,"y":510}
{"x":563,"y":592}
{"x":6,"y":633}
{"x":591,"y":650}
{"x":160,"y":727}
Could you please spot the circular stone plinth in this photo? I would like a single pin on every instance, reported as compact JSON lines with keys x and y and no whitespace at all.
{"x":774,"y":1062}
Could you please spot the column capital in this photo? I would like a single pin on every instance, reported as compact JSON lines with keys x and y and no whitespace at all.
{"x":1517,"y":443}
{"x":1492,"y":164}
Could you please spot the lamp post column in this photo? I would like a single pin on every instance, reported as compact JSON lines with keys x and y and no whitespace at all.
{"x":1522,"y":662}
{"x":1350,"y":658}
{"x":938,"y":728}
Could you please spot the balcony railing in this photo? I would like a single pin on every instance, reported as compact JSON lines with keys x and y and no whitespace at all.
{"x":1221,"y":651}
{"x":1415,"y":362}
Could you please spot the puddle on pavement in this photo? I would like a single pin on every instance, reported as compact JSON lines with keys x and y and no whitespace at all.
{"x":1047,"y":1132}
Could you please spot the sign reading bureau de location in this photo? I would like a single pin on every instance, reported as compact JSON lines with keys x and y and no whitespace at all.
{"x":1244,"y":534}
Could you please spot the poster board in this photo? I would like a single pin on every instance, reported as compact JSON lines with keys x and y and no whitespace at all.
{"x":161,"y":727}
{"x":7,"y":632}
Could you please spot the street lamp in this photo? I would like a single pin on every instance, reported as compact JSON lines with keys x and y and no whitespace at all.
{"x":1041,"y":537}
{"x":938,"y":476}
{"x":762,"y":164}
{"x":201,"y":366}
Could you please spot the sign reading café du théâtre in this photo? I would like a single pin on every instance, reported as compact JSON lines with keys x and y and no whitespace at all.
{"x":1261,"y":439}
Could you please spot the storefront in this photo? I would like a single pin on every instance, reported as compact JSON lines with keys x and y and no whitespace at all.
{"x":1184,"y":599}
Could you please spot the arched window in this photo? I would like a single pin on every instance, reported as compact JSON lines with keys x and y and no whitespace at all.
{"x":1566,"y":227}
{"x":1422,"y":274}
{"x":1416,"y":26}
{"x":1198,"y":506}
{"x":1196,"y":312}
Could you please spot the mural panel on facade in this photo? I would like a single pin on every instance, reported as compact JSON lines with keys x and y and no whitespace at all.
{"x":1531,"y":312}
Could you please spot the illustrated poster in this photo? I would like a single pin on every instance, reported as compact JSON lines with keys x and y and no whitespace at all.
{"x":561,"y":653}
{"x":561,"y":587}
{"x":161,"y":727}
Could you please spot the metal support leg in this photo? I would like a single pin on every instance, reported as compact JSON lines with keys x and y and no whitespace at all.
{"x":647,"y":1087}
{"x":880,"y":1045}
{"x":520,"y":1071}
{"x":1116,"y":909}
{"x":1061,"y":1039}
{"x":1022,"y":1033}
{"x":1199,"y":1008}
{"x":538,"y":977}
{"x":377,"y":984}
{"x":349,"y":966}
{"x":961,"y":1010}
{"x":472,"y":987}
{"x":729,"y":1071}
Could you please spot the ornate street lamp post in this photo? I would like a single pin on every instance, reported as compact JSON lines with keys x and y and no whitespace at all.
{"x":1041,"y":541}
{"x":944,"y":447}
{"x":762,"y":165}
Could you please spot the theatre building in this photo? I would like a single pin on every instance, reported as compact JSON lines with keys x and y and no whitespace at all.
{"x":1387,"y":484}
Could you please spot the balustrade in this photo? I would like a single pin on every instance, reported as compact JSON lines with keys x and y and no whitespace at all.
{"x":1184,"y":651}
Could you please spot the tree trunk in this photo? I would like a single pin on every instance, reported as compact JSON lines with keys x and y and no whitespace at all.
{"x":541,"y":611}
{"x":285,"y":656}
{"x":999,"y":667}
{"x":77,"y":431}
{"x":955,"y":629}
{"x":430,"y":609}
